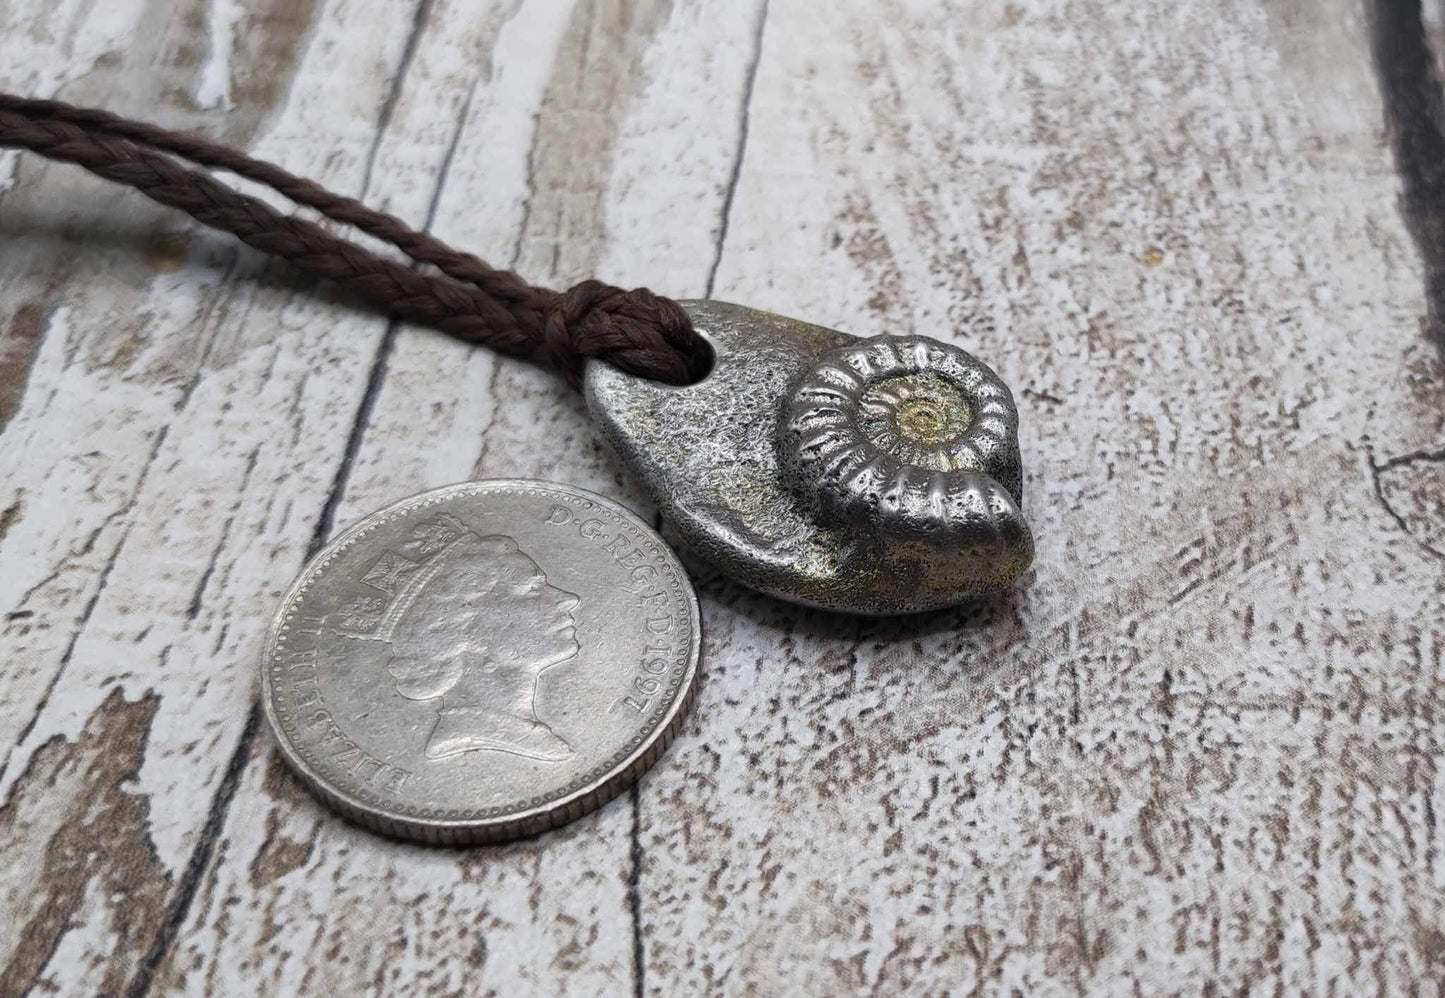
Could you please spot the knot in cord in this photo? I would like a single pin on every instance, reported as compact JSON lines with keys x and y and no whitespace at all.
{"x":636,"y":331}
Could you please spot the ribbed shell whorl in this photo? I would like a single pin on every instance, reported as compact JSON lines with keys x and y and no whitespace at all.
{"x":909,"y":435}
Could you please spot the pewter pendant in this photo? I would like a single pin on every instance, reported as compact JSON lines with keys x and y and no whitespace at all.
{"x":874,"y":476}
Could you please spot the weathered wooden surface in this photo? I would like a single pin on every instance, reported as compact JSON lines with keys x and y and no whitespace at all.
{"x":1199,"y":752}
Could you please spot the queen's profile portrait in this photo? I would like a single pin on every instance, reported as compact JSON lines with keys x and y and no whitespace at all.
{"x":472,"y":623}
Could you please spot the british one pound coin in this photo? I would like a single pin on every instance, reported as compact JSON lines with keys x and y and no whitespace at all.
{"x":483,"y":661}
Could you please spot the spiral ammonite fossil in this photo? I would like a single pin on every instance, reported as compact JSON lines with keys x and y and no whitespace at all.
{"x":915,"y":443}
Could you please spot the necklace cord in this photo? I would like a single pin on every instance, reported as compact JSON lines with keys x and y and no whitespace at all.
{"x":637,"y":331}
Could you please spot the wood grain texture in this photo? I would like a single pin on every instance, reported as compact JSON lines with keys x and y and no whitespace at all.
{"x":1198,"y":752}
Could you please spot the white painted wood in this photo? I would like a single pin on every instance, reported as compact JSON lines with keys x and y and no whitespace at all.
{"x":528,"y":918}
{"x":1199,"y":751}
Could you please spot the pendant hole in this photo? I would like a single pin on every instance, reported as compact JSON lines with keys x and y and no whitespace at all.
{"x":700,"y":365}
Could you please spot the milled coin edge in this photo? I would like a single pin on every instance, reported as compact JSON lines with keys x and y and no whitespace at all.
{"x":522,"y":824}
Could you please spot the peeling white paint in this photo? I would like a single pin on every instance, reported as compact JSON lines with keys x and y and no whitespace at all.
{"x":213,"y":88}
{"x":1197,"y":746}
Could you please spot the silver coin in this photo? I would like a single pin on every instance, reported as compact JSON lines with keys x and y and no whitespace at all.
{"x":482,"y":661}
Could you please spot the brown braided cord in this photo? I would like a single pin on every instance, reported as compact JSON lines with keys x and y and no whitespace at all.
{"x":638,"y":331}
{"x":203,"y":152}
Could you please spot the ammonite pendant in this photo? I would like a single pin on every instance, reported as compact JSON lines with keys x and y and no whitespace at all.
{"x":876,"y":476}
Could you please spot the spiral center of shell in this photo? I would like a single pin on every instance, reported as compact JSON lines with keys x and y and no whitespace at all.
{"x":922,"y":409}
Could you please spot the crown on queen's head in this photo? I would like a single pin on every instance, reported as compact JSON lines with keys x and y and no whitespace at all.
{"x":397,"y":578}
